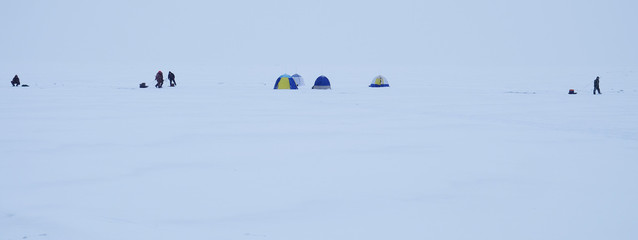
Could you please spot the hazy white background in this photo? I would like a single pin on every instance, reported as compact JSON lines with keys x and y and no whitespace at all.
{"x":105,"y":40}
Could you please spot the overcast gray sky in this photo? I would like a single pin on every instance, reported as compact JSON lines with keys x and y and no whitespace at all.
{"x":329,"y":32}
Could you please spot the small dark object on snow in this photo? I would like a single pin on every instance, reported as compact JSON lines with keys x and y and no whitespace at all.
{"x":159,"y":77}
{"x":171,"y":79}
{"x":15,"y":81}
{"x":143,"y":85}
{"x":24,"y":85}
{"x":597,"y":85}
{"x":571,"y":91}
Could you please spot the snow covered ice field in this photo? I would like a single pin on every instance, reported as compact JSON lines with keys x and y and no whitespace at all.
{"x":444,"y":156}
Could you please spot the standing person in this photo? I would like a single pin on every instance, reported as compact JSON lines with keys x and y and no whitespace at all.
{"x":597,"y":85}
{"x":159,"y":77}
{"x":16,"y":81}
{"x":171,"y":79}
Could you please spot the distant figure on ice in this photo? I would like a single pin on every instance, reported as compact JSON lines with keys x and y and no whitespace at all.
{"x":597,"y":85}
{"x":16,"y":81}
{"x":171,"y":79}
{"x":159,"y":77}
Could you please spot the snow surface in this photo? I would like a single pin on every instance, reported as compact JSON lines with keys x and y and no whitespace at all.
{"x":447,"y":156}
{"x":476,"y":138}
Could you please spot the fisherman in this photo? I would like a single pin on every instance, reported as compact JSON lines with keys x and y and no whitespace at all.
{"x":159,"y":77}
{"x":16,"y":81}
{"x":597,"y":85}
{"x":171,"y":78}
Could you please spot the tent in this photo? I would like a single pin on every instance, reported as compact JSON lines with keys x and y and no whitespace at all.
{"x":322,"y":82}
{"x":379,"y":81}
{"x":298,"y":79}
{"x":285,"y":82}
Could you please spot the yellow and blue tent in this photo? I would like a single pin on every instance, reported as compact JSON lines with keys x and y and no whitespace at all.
{"x":379,"y":81}
{"x":285,"y":82}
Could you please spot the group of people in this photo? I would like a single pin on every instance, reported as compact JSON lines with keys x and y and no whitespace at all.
{"x":159,"y":77}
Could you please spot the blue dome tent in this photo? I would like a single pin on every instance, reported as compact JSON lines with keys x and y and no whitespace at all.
{"x":322,"y":82}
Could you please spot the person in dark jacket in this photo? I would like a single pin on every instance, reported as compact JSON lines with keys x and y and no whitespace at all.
{"x":16,"y":81}
{"x":159,"y":77}
{"x":171,"y":79}
{"x":597,"y":85}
